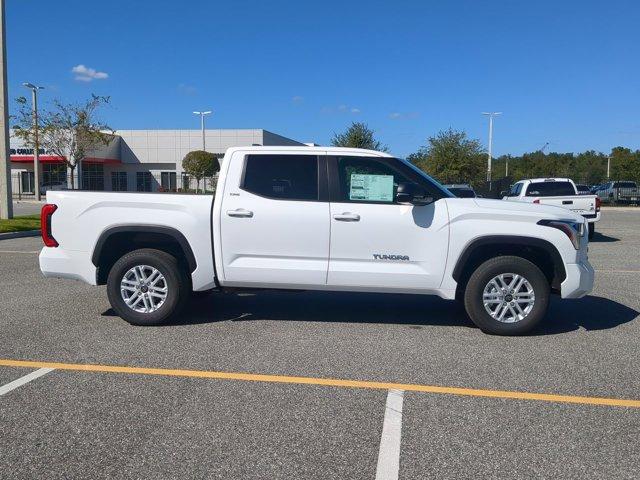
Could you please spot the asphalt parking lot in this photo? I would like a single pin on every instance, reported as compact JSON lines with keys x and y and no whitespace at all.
{"x":188,"y":421}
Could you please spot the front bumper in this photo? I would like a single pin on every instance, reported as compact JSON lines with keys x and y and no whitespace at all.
{"x":579,"y":280}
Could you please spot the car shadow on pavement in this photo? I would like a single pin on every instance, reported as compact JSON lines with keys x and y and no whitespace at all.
{"x":602,"y":238}
{"x":415,"y":311}
{"x":589,"y":313}
{"x":331,"y":307}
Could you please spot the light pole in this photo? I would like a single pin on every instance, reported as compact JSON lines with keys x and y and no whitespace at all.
{"x":202,"y":114}
{"x":490,"y":115}
{"x":36,"y":144}
{"x":6,"y":205}
{"x":608,"y":167}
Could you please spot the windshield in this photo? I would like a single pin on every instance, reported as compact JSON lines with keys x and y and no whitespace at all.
{"x":436,"y":184}
{"x":550,"y":189}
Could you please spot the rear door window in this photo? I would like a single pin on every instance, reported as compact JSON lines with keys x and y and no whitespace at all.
{"x":550,"y":189}
{"x":282,"y":177}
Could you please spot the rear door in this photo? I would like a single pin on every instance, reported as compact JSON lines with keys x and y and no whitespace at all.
{"x":275,"y":221}
{"x":376,"y":243}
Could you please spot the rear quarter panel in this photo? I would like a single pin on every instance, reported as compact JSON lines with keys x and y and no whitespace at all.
{"x":82,"y":217}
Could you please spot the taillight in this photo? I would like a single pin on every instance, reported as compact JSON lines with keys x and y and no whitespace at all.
{"x":45,"y":224}
{"x":537,"y":200}
{"x":598,"y":204}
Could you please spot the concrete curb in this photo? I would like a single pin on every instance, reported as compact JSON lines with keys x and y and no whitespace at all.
{"x":26,"y":233}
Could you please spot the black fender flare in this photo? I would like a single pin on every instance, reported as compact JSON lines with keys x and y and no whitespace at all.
{"x":171,"y":232}
{"x":524,"y":241}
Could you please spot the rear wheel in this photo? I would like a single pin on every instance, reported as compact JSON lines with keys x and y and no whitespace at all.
{"x":147,"y":287}
{"x":507,"y":296}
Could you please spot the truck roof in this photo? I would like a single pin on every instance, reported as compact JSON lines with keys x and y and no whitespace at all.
{"x":310,"y":149}
{"x":550,"y":179}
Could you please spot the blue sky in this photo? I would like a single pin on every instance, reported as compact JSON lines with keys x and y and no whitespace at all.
{"x":565,"y":72}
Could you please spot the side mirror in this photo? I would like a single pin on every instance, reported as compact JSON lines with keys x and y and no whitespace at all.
{"x":504,"y":193}
{"x":411,"y":193}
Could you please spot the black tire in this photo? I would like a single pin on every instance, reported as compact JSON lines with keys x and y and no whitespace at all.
{"x":473,"y":295}
{"x":177,"y":283}
{"x":592,"y":230}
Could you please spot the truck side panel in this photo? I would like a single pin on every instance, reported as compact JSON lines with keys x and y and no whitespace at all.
{"x":82,"y":217}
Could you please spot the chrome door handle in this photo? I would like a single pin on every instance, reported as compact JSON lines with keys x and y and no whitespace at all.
{"x":347,"y":217}
{"x":240,"y":212}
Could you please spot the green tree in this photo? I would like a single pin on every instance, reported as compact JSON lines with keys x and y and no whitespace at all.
{"x":200,"y":164}
{"x":70,"y":131}
{"x":358,"y":135}
{"x":451,"y":157}
{"x":625,"y":164}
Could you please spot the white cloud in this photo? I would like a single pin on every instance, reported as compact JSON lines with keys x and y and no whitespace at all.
{"x":186,"y":89}
{"x":297,"y":99}
{"x":342,"y":108}
{"x":86,"y":74}
{"x":401,"y":115}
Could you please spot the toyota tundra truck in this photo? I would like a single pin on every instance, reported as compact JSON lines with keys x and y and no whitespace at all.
{"x":561,"y":192}
{"x":318,"y":218}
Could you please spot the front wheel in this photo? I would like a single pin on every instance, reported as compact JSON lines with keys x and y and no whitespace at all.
{"x":147,"y":287}
{"x":507,"y":296}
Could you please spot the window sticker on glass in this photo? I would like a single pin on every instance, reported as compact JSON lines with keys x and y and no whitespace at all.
{"x":377,"y":188}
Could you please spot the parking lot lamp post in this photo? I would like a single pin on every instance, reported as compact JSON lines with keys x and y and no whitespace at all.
{"x":202,"y":114}
{"x":6,"y":206}
{"x":608,"y":166}
{"x":36,"y":144}
{"x":490,"y":115}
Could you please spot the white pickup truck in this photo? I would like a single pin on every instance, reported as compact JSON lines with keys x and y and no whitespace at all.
{"x":314,"y":218}
{"x":561,"y":192}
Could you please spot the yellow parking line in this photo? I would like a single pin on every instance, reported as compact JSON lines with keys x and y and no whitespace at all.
{"x":328,"y":382}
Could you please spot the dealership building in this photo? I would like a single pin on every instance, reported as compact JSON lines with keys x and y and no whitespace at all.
{"x":135,"y":160}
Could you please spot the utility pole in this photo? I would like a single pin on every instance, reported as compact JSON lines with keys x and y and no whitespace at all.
{"x":202,"y":114}
{"x":608,"y":166}
{"x":6,"y":205}
{"x":490,"y":115}
{"x":36,"y":143}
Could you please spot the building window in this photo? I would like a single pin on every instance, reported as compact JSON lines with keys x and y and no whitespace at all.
{"x":27,"y":182}
{"x":186,"y":181}
{"x":54,"y":174}
{"x":143,"y":181}
{"x":168,"y":181}
{"x":92,"y":176}
{"x":119,"y":181}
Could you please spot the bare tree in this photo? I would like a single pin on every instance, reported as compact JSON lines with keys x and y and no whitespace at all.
{"x":68,"y":130}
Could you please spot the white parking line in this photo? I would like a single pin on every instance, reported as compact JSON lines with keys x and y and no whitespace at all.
{"x":22,"y":380}
{"x":389,"y":453}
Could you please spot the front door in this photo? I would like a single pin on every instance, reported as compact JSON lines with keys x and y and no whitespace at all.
{"x":376,"y":243}
{"x":275,"y":221}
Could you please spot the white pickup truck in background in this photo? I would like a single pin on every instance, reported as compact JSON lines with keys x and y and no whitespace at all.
{"x":560,"y":192}
{"x":317,"y":218}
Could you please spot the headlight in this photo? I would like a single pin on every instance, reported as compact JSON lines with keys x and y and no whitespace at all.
{"x":573,"y":230}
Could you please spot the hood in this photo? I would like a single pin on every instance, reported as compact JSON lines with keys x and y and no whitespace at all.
{"x":547,"y":211}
